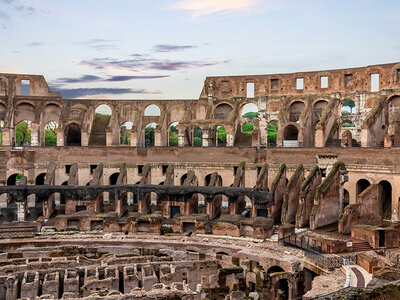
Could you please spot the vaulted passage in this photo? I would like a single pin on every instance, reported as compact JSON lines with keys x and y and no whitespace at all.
{"x":72,"y":135}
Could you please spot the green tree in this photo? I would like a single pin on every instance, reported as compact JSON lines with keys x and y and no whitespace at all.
{"x":272,"y":131}
{"x":173,"y":136}
{"x":197,"y":136}
{"x":149,"y":137}
{"x":250,"y":115}
{"x":350,"y":103}
{"x":50,"y":134}
{"x":22,"y":134}
{"x":247,"y":128}
{"x":221,"y":133}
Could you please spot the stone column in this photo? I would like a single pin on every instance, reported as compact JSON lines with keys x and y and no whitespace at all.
{"x":108,"y":137}
{"x":157,"y":136}
{"x":133,"y":138}
{"x":206,"y":137}
{"x":3,"y":200}
{"x":229,"y":136}
{"x":34,"y":134}
{"x":31,"y":200}
{"x":263,"y":133}
{"x":84,"y":138}
{"x":6,"y":137}
{"x":60,"y":137}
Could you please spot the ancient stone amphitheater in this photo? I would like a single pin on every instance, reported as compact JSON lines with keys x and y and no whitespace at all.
{"x":281,"y":186}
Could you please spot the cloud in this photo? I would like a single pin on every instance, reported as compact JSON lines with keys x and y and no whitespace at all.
{"x":171,"y":48}
{"x":83,"y":92}
{"x":93,"y":78}
{"x":36,"y":44}
{"x":146,"y":64}
{"x":99,"y":44}
{"x":205,"y":7}
{"x":8,"y":7}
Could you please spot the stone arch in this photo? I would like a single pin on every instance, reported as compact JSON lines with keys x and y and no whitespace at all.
{"x":248,"y":106}
{"x":104,"y":110}
{"x":282,"y":289}
{"x":152,"y":110}
{"x":207,"y":180}
{"x":112,"y":180}
{"x":385,"y":199}
{"x":12,"y":179}
{"x":275,"y":269}
{"x":222,"y":111}
{"x":318,"y":109}
{"x":25,"y":111}
{"x":40,"y":179}
{"x":361,"y":185}
{"x":295,"y":110}
{"x":72,"y":135}
{"x":290,"y":136}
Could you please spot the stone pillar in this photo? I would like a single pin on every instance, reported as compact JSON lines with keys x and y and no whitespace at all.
{"x":108,"y":137}
{"x":34,"y":134}
{"x":84,"y":138}
{"x":121,"y":206}
{"x":157,"y":136}
{"x":3,"y":200}
{"x":60,"y":137}
{"x":229,"y":140}
{"x":206,"y":137}
{"x":21,"y":211}
{"x":6,"y":137}
{"x":133,"y":138}
{"x":181,"y":139}
{"x":31,"y":200}
{"x":263,"y":133}
{"x":57,"y":198}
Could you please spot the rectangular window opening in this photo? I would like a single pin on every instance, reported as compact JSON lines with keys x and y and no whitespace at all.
{"x":92,"y":168}
{"x":323,"y":172}
{"x":374,"y":82}
{"x":25,"y":87}
{"x":250,"y":90}
{"x":274,"y":84}
{"x":324,"y":82}
{"x":79,"y":208}
{"x":164,"y":169}
{"x":299,"y":83}
{"x":140,"y":169}
{"x":348,"y":80}
{"x":67,"y":169}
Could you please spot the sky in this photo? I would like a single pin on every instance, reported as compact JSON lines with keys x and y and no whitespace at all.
{"x":164,"y":49}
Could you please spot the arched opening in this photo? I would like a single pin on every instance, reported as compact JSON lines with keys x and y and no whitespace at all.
{"x":197,"y":136}
{"x":23,"y":133}
{"x":50,"y":133}
{"x":282,"y":289}
{"x":149,"y":134}
{"x":272,"y":132}
{"x":152,"y":111}
{"x":183,"y":178}
{"x":295,"y":110}
{"x":12,"y":179}
{"x":221,"y":136}
{"x":222,"y":111}
{"x":275,"y":269}
{"x":113,"y":179}
{"x":103,"y":110}
{"x":40,"y":179}
{"x":385,"y":199}
{"x":319,"y":108}
{"x":249,"y":114}
{"x":72,"y":135}
{"x":290,"y":135}
{"x":361,"y":185}
{"x":207,"y":180}
{"x":125,"y":133}
{"x":348,"y":107}
{"x":173,"y":137}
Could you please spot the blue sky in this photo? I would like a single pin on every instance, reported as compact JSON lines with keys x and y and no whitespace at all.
{"x":155,"y":49}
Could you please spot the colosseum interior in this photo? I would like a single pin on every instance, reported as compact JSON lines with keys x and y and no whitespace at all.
{"x":282,"y":186}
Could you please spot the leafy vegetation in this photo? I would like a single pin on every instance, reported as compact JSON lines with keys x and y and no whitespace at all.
{"x":173,"y":136}
{"x":124,"y":135}
{"x":149,"y":136}
{"x":250,"y":115}
{"x":221,"y":133}
{"x":22,"y":134}
{"x":348,"y":124}
{"x":272,"y":131}
{"x":50,"y":134}
{"x":197,"y":136}
{"x":349,"y":103}
{"x":247,"y":128}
